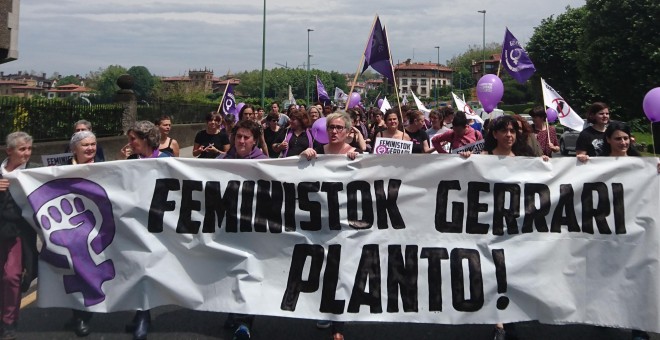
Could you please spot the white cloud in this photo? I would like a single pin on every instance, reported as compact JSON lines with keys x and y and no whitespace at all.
{"x":170,"y":37}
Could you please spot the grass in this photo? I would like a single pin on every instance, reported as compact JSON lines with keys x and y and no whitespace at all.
{"x":645,"y":138}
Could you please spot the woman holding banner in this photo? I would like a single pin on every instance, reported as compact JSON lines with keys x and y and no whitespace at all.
{"x":393,"y":126}
{"x":461,"y":134}
{"x":83,"y":146}
{"x":590,"y":141}
{"x":18,"y":241}
{"x":144,"y":139}
{"x":617,"y":137}
{"x":298,"y":137}
{"x":248,"y":112}
{"x":416,"y":132}
{"x":338,"y":124}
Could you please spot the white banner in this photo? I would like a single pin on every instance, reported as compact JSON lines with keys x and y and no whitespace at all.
{"x":401,"y":238}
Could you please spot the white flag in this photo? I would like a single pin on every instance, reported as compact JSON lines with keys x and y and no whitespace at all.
{"x":421,"y":106}
{"x":405,"y":99}
{"x":292,"y":101}
{"x":567,"y":117}
{"x":469,"y":112}
{"x":385,"y":106}
{"x":340,"y":95}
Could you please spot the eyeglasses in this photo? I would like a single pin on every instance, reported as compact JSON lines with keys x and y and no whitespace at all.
{"x":338,"y":128}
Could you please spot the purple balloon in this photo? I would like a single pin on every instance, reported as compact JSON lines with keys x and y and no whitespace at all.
{"x":320,"y":131}
{"x":380,"y":103}
{"x":651,"y":105}
{"x":354,"y":100}
{"x":489,"y":91}
{"x":552,"y":114}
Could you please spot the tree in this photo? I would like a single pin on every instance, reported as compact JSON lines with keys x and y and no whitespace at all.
{"x":620,"y":51}
{"x":554,"y":49}
{"x":105,"y":82}
{"x":68,"y":80}
{"x":144,"y":82}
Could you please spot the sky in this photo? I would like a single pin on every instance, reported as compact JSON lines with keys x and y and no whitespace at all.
{"x":170,"y":37}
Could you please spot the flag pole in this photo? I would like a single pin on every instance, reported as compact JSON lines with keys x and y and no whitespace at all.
{"x":396,"y":88}
{"x":371,"y":33}
{"x":223,"y":96}
{"x":318,"y":95}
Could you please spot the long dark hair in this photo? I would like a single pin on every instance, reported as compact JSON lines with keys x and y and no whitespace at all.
{"x":519,"y":147}
{"x":612,"y":127}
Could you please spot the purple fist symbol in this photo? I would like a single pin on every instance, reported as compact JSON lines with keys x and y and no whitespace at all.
{"x":72,"y":211}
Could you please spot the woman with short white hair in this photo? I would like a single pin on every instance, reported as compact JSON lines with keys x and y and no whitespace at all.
{"x":18,"y":241}
{"x":83,"y":147}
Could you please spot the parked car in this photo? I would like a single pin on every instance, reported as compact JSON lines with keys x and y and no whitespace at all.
{"x":568,"y":139}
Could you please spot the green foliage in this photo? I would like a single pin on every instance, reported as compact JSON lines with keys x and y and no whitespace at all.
{"x":620,"y":51}
{"x":68,"y":80}
{"x":605,"y":51}
{"x":554,"y":49}
{"x":277,"y":83}
{"x":105,"y":82}
{"x":144,"y":82}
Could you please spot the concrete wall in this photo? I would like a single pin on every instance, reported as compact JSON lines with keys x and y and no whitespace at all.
{"x":183,"y":133}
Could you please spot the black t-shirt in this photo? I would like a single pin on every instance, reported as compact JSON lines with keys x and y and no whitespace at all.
{"x":271,"y":138}
{"x":418,"y":139}
{"x":219,"y":140}
{"x":591,"y":141}
{"x":298,"y":144}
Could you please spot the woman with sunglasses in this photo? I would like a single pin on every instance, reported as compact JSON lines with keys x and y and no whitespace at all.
{"x":210,"y":143}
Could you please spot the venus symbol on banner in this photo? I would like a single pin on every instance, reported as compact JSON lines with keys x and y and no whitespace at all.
{"x":229,"y":103}
{"x":69,"y":210}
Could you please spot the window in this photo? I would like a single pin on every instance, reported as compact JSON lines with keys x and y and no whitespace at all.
{"x":423,"y":74}
{"x":423,"y":91}
{"x":414,"y":82}
{"x":423,"y":82}
{"x":404,"y":82}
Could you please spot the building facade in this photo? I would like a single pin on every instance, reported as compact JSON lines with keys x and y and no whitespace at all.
{"x":421,"y":78}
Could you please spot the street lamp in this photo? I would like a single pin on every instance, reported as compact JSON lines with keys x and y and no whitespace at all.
{"x":437,"y":80}
{"x":483,"y":49}
{"x":263,"y":62}
{"x":308,"y":56}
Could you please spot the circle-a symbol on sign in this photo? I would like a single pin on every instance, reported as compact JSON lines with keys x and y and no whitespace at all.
{"x":563,"y":110}
{"x":381,"y":150}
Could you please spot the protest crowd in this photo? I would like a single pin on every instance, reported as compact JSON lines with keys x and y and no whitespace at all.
{"x":246,"y":132}
{"x":252,"y":134}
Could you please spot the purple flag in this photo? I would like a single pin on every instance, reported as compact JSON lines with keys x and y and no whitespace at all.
{"x":377,"y":53}
{"x":229,"y":102}
{"x":320,"y":90}
{"x":515,"y":59}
